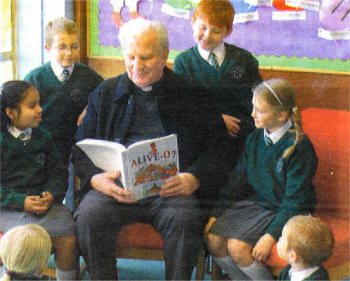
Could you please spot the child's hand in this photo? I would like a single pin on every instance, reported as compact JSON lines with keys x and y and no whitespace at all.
{"x":47,"y":198}
{"x":81,"y":116}
{"x":231,"y":125}
{"x":33,"y":204}
{"x":263,"y":247}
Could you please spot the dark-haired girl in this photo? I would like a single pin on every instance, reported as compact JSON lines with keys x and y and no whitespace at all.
{"x":32,"y":184}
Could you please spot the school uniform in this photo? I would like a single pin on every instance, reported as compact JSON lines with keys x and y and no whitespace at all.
{"x":280,"y":188}
{"x":317,"y":273}
{"x":30,"y":168}
{"x":63,"y":101}
{"x":231,"y":83}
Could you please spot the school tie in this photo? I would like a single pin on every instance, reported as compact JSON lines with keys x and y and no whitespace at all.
{"x":212,"y":61}
{"x":65,"y":75}
{"x":23,"y":138}
{"x":268,"y":141}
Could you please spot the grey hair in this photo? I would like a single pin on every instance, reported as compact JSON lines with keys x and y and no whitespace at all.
{"x":139,"y":26}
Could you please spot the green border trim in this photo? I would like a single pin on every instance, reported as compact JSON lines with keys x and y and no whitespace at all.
{"x":296,"y":63}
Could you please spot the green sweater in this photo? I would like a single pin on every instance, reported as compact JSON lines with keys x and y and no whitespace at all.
{"x":283,"y":185}
{"x":231,"y":85}
{"x":30,"y":169}
{"x":319,"y":274}
{"x":62,"y":104}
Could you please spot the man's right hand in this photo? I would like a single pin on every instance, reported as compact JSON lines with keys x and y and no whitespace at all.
{"x":104,"y":182}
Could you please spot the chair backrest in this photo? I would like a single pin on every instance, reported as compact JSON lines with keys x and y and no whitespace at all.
{"x":329,"y":132}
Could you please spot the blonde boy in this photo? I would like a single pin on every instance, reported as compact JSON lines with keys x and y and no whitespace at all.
{"x":63,"y":83}
{"x":25,"y":252}
{"x":306,"y":242}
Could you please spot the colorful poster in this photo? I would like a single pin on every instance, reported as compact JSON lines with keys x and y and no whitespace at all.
{"x":292,"y":40}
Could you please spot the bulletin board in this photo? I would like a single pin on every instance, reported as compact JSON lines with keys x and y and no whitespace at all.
{"x":281,"y":44}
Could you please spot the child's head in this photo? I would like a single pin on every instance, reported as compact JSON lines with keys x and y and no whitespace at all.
{"x":25,"y":249}
{"x":62,"y":41}
{"x":212,"y":22}
{"x":307,"y":240}
{"x":273,"y":105}
{"x":19,"y":105}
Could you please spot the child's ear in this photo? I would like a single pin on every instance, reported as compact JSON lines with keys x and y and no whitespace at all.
{"x":47,"y":47}
{"x":11,"y":113}
{"x":293,"y":256}
{"x":283,"y":116}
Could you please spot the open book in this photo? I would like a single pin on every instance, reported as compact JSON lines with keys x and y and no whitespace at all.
{"x":144,"y":165}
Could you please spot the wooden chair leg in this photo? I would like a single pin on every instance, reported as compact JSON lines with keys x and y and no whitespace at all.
{"x":200,"y":268}
{"x":215,"y":271}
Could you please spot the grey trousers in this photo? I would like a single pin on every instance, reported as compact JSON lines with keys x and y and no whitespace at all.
{"x":179,"y":220}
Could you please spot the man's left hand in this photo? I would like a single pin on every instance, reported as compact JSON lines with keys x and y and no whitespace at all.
{"x":182,"y":184}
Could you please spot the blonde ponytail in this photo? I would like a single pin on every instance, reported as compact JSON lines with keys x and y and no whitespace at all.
{"x":295,"y":117}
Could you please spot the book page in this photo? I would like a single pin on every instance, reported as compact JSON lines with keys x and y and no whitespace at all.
{"x":106,"y":155}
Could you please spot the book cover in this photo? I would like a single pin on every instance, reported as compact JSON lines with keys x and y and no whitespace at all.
{"x":144,"y":165}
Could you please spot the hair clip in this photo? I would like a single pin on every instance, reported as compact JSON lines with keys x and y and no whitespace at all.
{"x":273,"y":92}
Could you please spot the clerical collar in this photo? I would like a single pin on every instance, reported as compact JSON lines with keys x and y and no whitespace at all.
{"x":279,"y":133}
{"x":15,"y":132}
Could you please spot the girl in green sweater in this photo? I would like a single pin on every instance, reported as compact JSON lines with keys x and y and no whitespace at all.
{"x":32,"y":184}
{"x":277,"y":167}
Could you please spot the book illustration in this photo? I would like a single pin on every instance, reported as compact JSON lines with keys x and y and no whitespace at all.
{"x":144,"y":165}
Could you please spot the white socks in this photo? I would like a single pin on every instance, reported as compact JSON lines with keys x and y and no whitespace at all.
{"x":257,"y":271}
{"x":66,"y":275}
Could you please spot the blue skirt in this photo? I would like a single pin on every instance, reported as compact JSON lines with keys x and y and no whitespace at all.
{"x":57,"y":221}
{"x":245,"y":221}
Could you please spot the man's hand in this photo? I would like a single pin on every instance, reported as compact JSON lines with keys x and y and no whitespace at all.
{"x":182,"y":184}
{"x":104,"y":182}
{"x":263,"y":247}
{"x":231,"y":125}
{"x":34,"y":204}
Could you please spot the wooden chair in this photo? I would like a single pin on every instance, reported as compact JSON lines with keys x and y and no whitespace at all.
{"x":142,"y":241}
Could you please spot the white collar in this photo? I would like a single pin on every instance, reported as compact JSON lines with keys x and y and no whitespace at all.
{"x":301,"y":274}
{"x":276,"y":135}
{"x":15,"y":132}
{"x":58,"y":69}
{"x":219,"y":52}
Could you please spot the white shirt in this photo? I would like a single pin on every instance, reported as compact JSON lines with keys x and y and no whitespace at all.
{"x":58,"y":69}
{"x":276,"y":135}
{"x":219,"y":52}
{"x":16,"y":132}
{"x":301,"y":274}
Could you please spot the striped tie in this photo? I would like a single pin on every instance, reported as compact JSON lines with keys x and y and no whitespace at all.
{"x":268,"y":141}
{"x":212,"y":61}
{"x":65,"y":75}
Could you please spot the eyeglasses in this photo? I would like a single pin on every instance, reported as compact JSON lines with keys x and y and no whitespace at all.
{"x":65,"y":49}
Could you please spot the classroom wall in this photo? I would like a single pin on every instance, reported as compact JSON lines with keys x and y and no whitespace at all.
{"x":323,"y":90}
{"x":314,"y":89}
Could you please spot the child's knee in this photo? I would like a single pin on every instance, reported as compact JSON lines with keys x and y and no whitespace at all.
{"x":217,"y":244}
{"x":65,"y":243}
{"x":239,"y":251}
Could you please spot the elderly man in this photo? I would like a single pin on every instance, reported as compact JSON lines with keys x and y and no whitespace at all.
{"x":150,"y":101}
